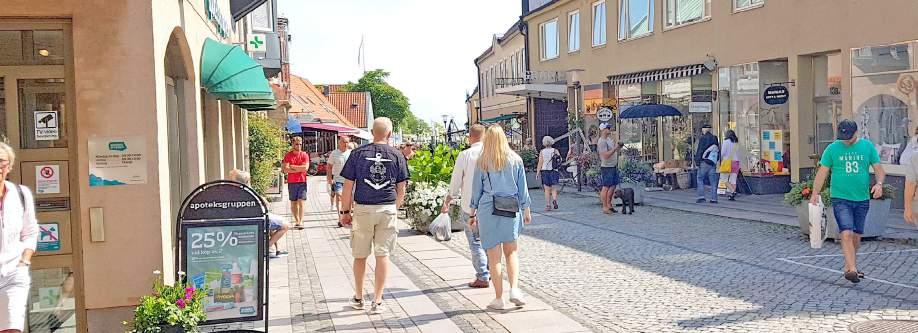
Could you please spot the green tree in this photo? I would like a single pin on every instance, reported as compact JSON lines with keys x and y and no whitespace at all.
{"x":266,"y":146}
{"x":414,"y":126}
{"x":387,"y":100}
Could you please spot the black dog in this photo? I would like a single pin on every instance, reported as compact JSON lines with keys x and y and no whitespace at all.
{"x":627,"y":196}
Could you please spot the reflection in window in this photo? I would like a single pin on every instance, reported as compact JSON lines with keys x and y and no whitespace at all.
{"x":549,"y":36}
{"x":885,"y":119}
{"x":599,"y":23}
{"x":32,"y":47}
{"x":746,"y":4}
{"x":680,"y":12}
{"x":52,"y":301}
{"x":744,"y":109}
{"x":42,"y":113}
{"x":261,"y":18}
{"x":879,"y":59}
{"x":635,"y":18}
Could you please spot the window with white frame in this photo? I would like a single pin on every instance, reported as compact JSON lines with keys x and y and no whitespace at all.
{"x":261,"y":18}
{"x":679,"y":12}
{"x":599,"y":23}
{"x":747,"y":4}
{"x":635,"y":18}
{"x":573,"y":31}
{"x":548,"y":33}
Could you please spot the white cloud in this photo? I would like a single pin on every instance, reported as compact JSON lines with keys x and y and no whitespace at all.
{"x":428,"y":46}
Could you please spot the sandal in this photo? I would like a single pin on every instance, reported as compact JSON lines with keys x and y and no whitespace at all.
{"x":854,"y":277}
{"x":555,"y":202}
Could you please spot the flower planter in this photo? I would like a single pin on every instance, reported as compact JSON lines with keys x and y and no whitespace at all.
{"x":638,"y":193}
{"x":875,"y":226}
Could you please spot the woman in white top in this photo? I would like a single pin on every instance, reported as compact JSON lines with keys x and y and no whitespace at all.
{"x":20,"y":237}
{"x":550,"y":176}
{"x":729,"y":151}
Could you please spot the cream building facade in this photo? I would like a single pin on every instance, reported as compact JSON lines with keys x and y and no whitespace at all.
{"x":500,"y":64}
{"x":714,"y":60}
{"x":113,"y":72}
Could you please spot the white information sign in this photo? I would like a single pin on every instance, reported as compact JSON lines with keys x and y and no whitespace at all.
{"x":604,"y":114}
{"x":117,"y":161}
{"x":47,"y":179}
{"x":700,"y":107}
{"x":47,"y":126}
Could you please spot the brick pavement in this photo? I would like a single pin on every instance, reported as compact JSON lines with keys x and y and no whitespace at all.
{"x":663,"y":270}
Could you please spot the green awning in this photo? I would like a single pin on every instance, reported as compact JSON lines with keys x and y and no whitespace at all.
{"x":228,"y":73}
{"x":499,"y":118}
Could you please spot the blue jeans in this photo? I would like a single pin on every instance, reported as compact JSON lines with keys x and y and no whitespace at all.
{"x":850,"y":215}
{"x":479,"y":257}
{"x":707,"y":172}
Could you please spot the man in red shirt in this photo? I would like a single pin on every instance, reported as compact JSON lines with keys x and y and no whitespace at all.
{"x":296,"y":163}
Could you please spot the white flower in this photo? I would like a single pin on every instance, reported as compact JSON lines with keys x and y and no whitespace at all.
{"x":157,"y":272}
{"x":181,"y":273}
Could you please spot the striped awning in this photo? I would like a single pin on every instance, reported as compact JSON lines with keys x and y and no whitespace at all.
{"x":657,"y":74}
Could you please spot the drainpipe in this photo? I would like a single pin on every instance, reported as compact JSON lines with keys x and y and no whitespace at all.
{"x":478,"y":72}
{"x":524,"y":30}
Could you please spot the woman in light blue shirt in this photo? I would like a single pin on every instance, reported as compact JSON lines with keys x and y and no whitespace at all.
{"x":500,"y":174}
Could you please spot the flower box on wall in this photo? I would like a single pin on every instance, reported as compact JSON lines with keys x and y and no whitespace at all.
{"x":875,"y":226}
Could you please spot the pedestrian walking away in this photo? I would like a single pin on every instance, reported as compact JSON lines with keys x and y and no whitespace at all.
{"x":548,"y":171}
{"x":460,"y":186}
{"x":336,"y":160}
{"x":730,"y":162}
{"x":608,"y":148}
{"x":374,"y":189}
{"x":707,"y":172}
{"x":500,"y":206}
{"x":847,"y":160}
{"x":20,"y":238}
{"x":295,"y":165}
{"x":276,"y":225}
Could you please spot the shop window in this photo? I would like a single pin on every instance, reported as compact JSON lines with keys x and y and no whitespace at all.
{"x":743,"y":110}
{"x":739,"y":5}
{"x":677,"y":139}
{"x":42,"y":113}
{"x":679,"y":12}
{"x":635,"y":18}
{"x":883,"y":96}
{"x":548,"y":33}
{"x":32,"y":47}
{"x":599,"y":23}
{"x":52,"y":299}
{"x":573,"y":31}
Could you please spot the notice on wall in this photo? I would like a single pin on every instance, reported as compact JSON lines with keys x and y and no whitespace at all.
{"x":700,"y":107}
{"x":117,"y":161}
{"x":773,"y":149}
{"x":224,"y":260}
{"x":49,"y":237}
{"x":47,"y":179}
{"x":47,"y":126}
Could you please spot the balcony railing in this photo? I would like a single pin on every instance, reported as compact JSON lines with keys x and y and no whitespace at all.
{"x":531,"y":77}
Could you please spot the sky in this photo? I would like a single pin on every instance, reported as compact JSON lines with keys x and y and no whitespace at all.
{"x":428,"y":46}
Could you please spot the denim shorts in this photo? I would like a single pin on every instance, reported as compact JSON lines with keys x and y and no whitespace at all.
{"x":850,"y":215}
{"x":609,"y":176}
{"x":550,"y":177}
{"x":337,"y":187}
{"x":297,"y":191}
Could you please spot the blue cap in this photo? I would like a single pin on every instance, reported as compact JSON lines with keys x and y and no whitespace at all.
{"x":846,"y":129}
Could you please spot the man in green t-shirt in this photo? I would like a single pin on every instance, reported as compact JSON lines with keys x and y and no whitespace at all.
{"x":848,"y":159}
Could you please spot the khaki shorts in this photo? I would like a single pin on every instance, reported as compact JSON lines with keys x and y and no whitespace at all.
{"x":376,"y":228}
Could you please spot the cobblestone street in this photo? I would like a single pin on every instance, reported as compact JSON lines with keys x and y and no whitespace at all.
{"x":663,"y":270}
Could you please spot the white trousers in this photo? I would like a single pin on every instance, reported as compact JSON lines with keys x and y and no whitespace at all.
{"x":14,"y":293}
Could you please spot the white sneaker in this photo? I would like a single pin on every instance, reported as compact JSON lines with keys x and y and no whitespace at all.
{"x":378,"y":308}
{"x":516,"y":297}
{"x":496,"y":304}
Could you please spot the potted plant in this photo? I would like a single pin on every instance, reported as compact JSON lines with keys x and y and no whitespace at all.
{"x":423,"y":202}
{"x":634,"y":175}
{"x":170,"y":309}
{"x":530,"y":158}
{"x":877,"y":216}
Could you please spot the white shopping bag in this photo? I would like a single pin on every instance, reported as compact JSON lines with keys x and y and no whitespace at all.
{"x":817,"y":224}
{"x":722,"y":184}
{"x":440,"y":227}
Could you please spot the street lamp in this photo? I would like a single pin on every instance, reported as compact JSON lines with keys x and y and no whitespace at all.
{"x":446,"y":127}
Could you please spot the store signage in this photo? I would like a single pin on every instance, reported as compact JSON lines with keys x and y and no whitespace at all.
{"x":776,"y":95}
{"x":604,"y":114}
{"x":222,"y":241}
{"x":906,"y":84}
{"x":47,"y":126}
{"x":49,"y":237}
{"x":117,"y":161}
{"x":47,"y":179}
{"x":219,"y":17}
{"x":700,"y":107}
{"x":256,"y":43}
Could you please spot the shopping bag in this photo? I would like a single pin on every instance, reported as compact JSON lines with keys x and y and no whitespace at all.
{"x":440,"y":227}
{"x":726,"y":166}
{"x":722,"y":184}
{"x":817,"y":214}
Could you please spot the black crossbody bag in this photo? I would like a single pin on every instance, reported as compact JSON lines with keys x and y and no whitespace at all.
{"x":504,"y":206}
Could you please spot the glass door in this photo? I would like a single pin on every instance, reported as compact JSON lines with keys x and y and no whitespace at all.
{"x":827,"y":111}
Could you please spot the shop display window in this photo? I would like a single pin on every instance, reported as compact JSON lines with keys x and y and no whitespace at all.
{"x":52,"y":301}
{"x":884,"y":97}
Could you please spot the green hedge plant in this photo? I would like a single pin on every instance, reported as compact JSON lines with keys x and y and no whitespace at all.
{"x":266,"y":147}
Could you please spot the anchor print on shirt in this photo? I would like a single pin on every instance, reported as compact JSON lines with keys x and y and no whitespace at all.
{"x":378,"y":179}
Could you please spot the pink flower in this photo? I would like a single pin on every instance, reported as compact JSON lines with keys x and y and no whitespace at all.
{"x":180,"y":303}
{"x":189,"y":292}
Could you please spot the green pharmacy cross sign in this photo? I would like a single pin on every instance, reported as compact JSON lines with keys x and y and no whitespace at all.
{"x":256,"y":42}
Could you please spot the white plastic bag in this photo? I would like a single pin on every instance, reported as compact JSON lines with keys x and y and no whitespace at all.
{"x":817,"y":224}
{"x":440,"y":228}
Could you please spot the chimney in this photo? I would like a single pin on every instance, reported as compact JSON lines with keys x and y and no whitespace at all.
{"x":326,"y":90}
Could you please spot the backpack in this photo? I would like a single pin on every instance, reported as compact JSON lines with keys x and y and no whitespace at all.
{"x":556,"y":161}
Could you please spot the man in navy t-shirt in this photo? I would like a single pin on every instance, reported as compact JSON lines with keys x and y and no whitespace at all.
{"x":375,"y":178}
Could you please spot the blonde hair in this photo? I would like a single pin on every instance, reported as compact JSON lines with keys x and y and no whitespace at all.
{"x":240,"y":176}
{"x":10,"y":153}
{"x":382,"y":127}
{"x":496,"y":153}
